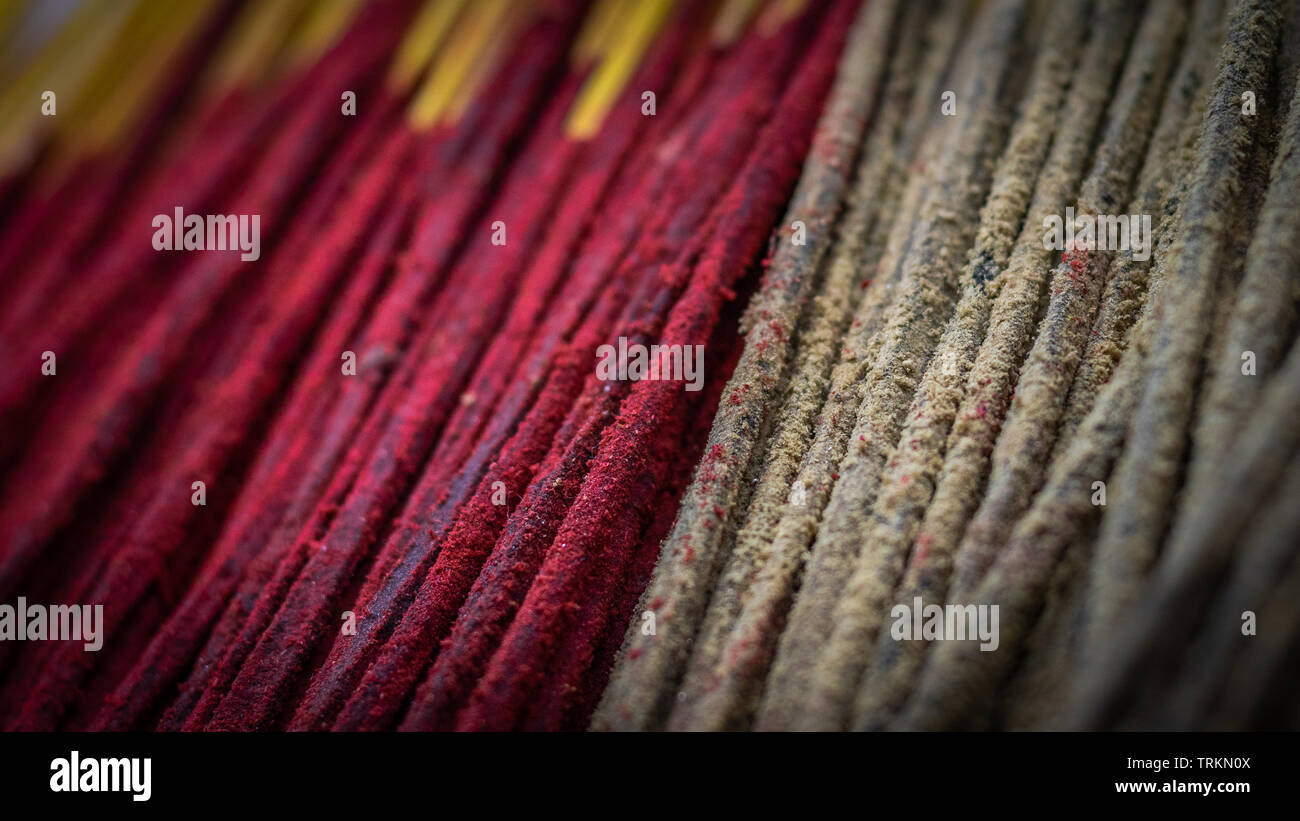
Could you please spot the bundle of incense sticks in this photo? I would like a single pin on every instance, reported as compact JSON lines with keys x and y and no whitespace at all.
{"x":639,"y":364}
{"x":966,"y":478}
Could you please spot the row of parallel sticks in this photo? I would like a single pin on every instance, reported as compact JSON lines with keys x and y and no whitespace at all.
{"x":929,"y":399}
{"x":454,"y":534}
{"x":918,"y":402}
